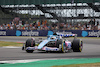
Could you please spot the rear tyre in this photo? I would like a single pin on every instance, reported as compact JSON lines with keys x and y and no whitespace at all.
{"x":77,"y":45}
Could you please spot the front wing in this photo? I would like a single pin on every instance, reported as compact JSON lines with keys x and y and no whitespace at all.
{"x":45,"y":48}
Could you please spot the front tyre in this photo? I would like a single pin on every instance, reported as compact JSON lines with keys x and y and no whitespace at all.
{"x":77,"y":45}
{"x":29,"y":43}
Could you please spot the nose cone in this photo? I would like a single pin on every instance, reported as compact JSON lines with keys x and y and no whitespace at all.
{"x":42,"y":44}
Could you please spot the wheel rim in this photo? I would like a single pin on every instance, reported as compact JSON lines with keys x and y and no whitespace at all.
{"x":63,"y":47}
{"x":81,"y":46}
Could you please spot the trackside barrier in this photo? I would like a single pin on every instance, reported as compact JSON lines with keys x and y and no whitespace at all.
{"x":80,"y":33}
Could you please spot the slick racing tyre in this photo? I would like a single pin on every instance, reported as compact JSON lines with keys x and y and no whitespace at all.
{"x":30,"y":43}
{"x":77,"y":45}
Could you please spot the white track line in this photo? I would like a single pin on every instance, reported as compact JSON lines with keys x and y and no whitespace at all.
{"x":19,"y":61}
{"x":29,"y":60}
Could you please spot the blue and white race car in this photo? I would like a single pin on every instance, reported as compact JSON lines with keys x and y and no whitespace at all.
{"x":54,"y":42}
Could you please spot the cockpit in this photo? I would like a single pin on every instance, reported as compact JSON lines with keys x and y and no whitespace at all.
{"x":53,"y":37}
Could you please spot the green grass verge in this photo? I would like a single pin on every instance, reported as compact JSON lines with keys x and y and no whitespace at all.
{"x":81,"y":65}
{"x":3,"y":43}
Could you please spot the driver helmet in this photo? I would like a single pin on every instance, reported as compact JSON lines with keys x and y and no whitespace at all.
{"x":53,"y":37}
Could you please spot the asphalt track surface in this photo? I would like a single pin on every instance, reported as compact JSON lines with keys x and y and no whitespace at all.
{"x":91,"y":49}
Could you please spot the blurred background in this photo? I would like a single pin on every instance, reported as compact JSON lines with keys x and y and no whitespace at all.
{"x":49,"y":15}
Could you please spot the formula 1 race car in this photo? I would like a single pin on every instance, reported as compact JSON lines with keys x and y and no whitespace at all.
{"x":54,"y":42}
